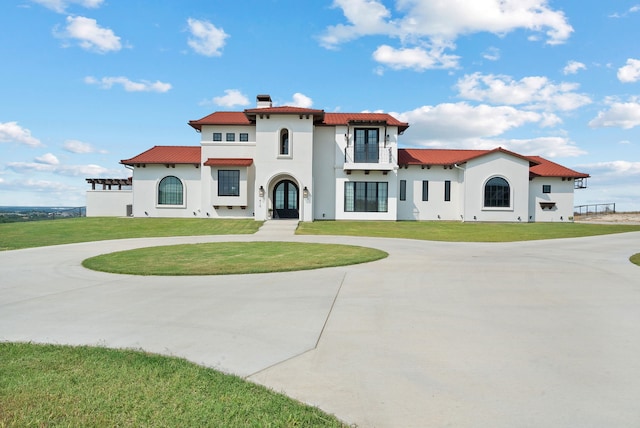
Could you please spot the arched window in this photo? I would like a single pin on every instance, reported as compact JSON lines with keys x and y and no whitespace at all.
{"x":170,"y":191}
{"x":284,"y":143}
{"x":497,"y":193}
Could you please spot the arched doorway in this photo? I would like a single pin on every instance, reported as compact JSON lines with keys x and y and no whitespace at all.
{"x":285,"y":200}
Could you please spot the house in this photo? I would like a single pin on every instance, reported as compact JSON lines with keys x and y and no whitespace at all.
{"x":291,"y":162}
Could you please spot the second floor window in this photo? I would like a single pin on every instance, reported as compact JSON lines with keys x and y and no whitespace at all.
{"x":231,"y":136}
{"x":284,"y":143}
{"x":366,"y":145}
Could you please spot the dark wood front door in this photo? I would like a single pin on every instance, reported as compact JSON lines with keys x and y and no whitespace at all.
{"x":285,"y":200}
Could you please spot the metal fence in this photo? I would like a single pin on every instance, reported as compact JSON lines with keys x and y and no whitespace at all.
{"x":595,"y":209}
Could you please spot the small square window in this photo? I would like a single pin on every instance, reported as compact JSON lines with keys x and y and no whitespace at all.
{"x":217,"y":136}
{"x":546,"y":188}
{"x":231,"y":136}
{"x":244,"y":136}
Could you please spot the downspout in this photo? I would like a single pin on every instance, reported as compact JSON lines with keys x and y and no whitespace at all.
{"x":464,"y":191}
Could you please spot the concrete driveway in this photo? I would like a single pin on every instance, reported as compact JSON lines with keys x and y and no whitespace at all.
{"x":530,"y":334}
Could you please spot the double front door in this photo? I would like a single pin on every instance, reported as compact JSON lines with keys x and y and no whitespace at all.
{"x":285,"y":200}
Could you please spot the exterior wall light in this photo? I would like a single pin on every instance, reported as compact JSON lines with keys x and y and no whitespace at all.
{"x":261,"y":192}
{"x":305,"y":192}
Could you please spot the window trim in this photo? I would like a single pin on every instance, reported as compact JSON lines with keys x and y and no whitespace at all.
{"x":403,"y":190}
{"x":182,"y":193}
{"x":281,"y":146}
{"x":381,"y":197}
{"x":230,"y":137}
{"x":217,"y":136}
{"x":546,"y":188}
{"x":509,"y":195}
{"x":244,"y":137}
{"x":425,"y":190}
{"x":237,"y":182}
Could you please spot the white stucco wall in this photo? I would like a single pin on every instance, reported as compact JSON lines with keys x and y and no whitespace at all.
{"x":561,"y":194}
{"x":478,"y":171}
{"x":435,"y":208}
{"x":324,"y":173}
{"x":145,"y":191}
{"x":108,"y":203}
{"x":297,"y":166}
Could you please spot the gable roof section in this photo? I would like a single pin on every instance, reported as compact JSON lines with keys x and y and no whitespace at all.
{"x":166,"y":155}
{"x":546,"y":168}
{"x":448,"y":156}
{"x":538,"y":166}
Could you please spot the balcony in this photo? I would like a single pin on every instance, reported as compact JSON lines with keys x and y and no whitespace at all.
{"x":378,"y":159}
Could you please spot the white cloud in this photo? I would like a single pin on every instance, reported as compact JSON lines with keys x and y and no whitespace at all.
{"x":619,"y":115}
{"x":207,"y":40}
{"x":60,"y":6}
{"x":438,"y":20}
{"x":129,"y":85}
{"x":615,"y":169}
{"x":89,"y":35}
{"x":460,"y":121}
{"x":231,"y":98}
{"x":417,"y":58}
{"x":534,"y":92}
{"x":66,"y":170}
{"x":48,"y":159}
{"x":462,"y":126}
{"x":300,"y":100}
{"x":78,"y":147}
{"x":573,"y":67}
{"x":12,"y":132}
{"x":492,"y":54}
{"x":631,"y":72}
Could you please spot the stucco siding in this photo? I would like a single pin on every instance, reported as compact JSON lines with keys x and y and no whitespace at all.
{"x":560,"y":195}
{"x":108,"y":203}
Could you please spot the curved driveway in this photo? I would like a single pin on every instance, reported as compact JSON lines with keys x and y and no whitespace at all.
{"x":529,"y":334}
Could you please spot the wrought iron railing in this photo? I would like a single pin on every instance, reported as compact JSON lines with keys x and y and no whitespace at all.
{"x":384,"y":155}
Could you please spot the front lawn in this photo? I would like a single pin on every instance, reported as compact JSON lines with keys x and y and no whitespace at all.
{"x":14,"y":236}
{"x":461,"y":232}
{"x":47,"y":386}
{"x":223,"y":258}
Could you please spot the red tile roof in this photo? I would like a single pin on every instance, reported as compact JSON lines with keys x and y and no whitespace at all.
{"x":321,"y":118}
{"x":167,"y":155}
{"x":539,"y":166}
{"x":546,"y":168}
{"x":221,"y":118}
{"x":356,"y":118}
{"x":228,"y":162}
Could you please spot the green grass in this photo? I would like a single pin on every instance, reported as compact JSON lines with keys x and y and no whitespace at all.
{"x":47,"y":385}
{"x":86,"y":229}
{"x":231,"y":258}
{"x":461,"y":232}
{"x":635,"y":259}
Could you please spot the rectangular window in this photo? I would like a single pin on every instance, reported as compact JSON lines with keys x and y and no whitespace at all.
{"x":244,"y":136}
{"x":228,"y":182}
{"x":231,"y":136}
{"x":217,"y":136}
{"x":447,"y":191}
{"x":546,"y":188}
{"x":366,"y":145}
{"x":425,"y":190}
{"x":403,"y":190}
{"x":365,"y":196}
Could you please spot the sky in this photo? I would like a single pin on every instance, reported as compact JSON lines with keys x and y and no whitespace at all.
{"x":87,"y":83}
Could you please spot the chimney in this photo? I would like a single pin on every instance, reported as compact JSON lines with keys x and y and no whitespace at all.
{"x":264,"y":101}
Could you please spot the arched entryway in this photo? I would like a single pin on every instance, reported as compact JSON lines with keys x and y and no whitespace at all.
{"x":285,"y":200}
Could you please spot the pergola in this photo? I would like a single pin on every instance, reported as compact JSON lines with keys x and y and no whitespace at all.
{"x":108,"y":182}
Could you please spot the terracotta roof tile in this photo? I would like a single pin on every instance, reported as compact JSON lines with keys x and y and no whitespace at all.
{"x":221,"y":118}
{"x":546,"y":168}
{"x":334,"y":119}
{"x":167,"y":155}
{"x":228,"y":162}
